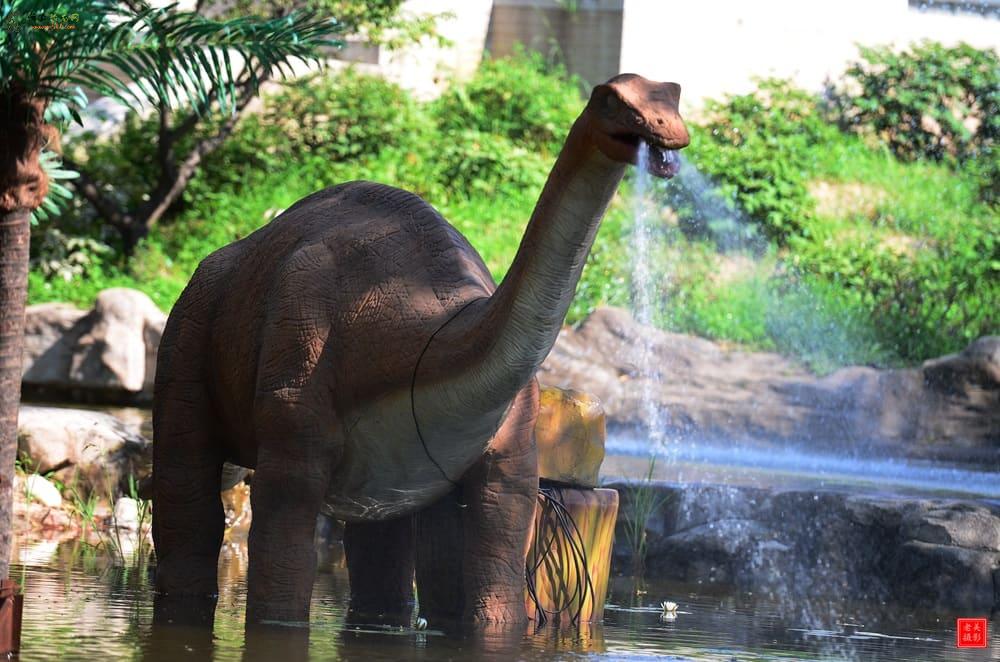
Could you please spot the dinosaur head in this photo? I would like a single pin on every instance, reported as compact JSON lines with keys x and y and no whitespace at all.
{"x":629,"y":109}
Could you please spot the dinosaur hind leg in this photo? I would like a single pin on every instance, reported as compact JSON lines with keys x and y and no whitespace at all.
{"x":188,"y":519}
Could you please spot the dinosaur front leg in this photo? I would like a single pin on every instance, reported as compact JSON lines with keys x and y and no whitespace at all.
{"x":501,"y":492}
{"x":294,"y":460}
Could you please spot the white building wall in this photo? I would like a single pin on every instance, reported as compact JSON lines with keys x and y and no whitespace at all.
{"x":425,"y":69}
{"x":714,"y":47}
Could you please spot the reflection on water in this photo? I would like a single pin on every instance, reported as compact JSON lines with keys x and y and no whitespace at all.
{"x":78,"y":607}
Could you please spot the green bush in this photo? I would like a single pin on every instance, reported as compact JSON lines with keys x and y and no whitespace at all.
{"x":757,"y":148}
{"x":930,"y":101}
{"x":344,"y":116}
{"x":320,"y":120}
{"x":520,"y":97}
{"x":925,"y":297}
{"x":127,"y":159}
{"x":913,"y":274}
{"x":473,"y":163}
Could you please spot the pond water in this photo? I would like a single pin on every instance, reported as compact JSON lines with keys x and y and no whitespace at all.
{"x":78,"y":606}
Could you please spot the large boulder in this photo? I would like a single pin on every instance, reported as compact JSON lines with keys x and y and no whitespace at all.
{"x":106,"y":354}
{"x":92,"y":451}
{"x":948,"y":408}
{"x":802,"y":545}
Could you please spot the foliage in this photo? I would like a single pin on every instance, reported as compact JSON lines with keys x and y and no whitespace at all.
{"x":338,"y":117}
{"x":757,"y":148}
{"x":909,"y":272}
{"x":56,"y":199}
{"x":520,"y":97}
{"x":128,"y":159}
{"x":922,"y":263}
{"x":927,"y":297}
{"x":645,"y":500}
{"x":170,"y":57}
{"x":483,"y":164}
{"x":930,"y":101}
{"x":382,"y":22}
{"x":68,"y":257}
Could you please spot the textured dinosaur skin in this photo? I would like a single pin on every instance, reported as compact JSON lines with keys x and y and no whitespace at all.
{"x":358,"y":355}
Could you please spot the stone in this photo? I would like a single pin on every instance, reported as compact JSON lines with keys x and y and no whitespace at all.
{"x":805,"y":546}
{"x":569,"y":433}
{"x":89,"y":450}
{"x":37,"y":488}
{"x":236,"y":506}
{"x":946,"y":409}
{"x":106,"y":354}
{"x":126,"y":514}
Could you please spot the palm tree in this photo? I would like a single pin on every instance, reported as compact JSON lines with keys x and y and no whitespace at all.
{"x":49,"y":50}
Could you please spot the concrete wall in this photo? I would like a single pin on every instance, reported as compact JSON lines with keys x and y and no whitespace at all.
{"x":587,"y":39}
{"x":713,"y":47}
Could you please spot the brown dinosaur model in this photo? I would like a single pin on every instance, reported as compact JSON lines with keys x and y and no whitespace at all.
{"x":356,"y":352}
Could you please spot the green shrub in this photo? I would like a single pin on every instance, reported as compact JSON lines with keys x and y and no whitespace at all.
{"x":347,"y":115}
{"x":520,"y":97}
{"x":757,"y":148}
{"x":912,"y":275}
{"x":925,"y":297}
{"x":126,"y":160}
{"x":473,"y":163}
{"x":930,"y":101}
{"x":320,"y":120}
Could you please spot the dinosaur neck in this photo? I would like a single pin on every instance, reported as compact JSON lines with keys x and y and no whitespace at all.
{"x":525,"y":314}
{"x":504,"y":339}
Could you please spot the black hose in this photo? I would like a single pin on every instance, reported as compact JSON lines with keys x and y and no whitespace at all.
{"x":556,"y":519}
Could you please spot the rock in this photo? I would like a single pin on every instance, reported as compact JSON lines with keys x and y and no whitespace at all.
{"x":236,"y":506}
{"x":89,"y":450}
{"x":37,"y":488}
{"x":946,"y":409}
{"x":570,"y":436}
{"x":107,"y":354}
{"x":805,"y":546}
{"x":126,"y":514}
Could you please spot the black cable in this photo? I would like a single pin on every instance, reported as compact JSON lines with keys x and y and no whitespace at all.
{"x":561,"y":521}
{"x":413,"y":387}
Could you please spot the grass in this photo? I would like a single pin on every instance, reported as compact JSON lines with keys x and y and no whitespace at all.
{"x":129,"y":552}
{"x":645,"y":501}
{"x":85,"y":505}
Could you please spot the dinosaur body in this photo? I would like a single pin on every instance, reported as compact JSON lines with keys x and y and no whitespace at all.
{"x":357,"y":353}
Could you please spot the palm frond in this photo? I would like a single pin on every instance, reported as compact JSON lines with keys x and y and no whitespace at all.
{"x":145,"y":54}
{"x":56,"y":199}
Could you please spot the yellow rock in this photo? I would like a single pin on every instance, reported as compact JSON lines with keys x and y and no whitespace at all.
{"x":570,"y":433}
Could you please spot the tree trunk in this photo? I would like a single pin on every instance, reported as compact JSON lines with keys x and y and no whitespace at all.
{"x":23,"y":185}
{"x":14,"y":237}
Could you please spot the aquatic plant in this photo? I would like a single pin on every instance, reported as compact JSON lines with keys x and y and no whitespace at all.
{"x":645,"y":500}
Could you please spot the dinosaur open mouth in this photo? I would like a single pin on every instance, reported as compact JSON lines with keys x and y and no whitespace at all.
{"x":663,"y":163}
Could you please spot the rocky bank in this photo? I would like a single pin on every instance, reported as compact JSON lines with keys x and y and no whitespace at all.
{"x":807,"y":545}
{"x":946,"y":409}
{"x":106,"y":354}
